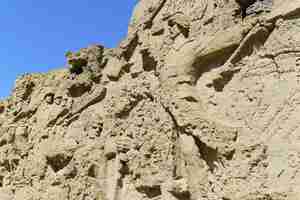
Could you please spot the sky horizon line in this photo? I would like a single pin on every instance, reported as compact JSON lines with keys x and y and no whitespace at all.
{"x":36,"y":35}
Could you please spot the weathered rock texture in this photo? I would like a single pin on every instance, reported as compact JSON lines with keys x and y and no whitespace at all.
{"x":201,"y":101}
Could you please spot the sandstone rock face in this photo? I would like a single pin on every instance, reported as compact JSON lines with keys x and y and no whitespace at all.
{"x":201,"y":101}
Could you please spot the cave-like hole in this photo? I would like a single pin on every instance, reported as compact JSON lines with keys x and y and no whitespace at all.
{"x":149,"y":62}
{"x":150,"y":192}
{"x":78,"y":89}
{"x":59,"y":161}
{"x":182,"y":196}
{"x":93,"y":170}
{"x":2,"y":109}
{"x":1,"y":181}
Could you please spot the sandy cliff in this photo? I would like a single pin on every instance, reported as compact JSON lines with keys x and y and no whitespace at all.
{"x":201,"y":101}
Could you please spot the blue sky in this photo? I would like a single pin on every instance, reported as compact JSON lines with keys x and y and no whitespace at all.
{"x":35,"y":34}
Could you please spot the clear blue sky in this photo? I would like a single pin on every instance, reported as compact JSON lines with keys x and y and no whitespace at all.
{"x":35,"y":34}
